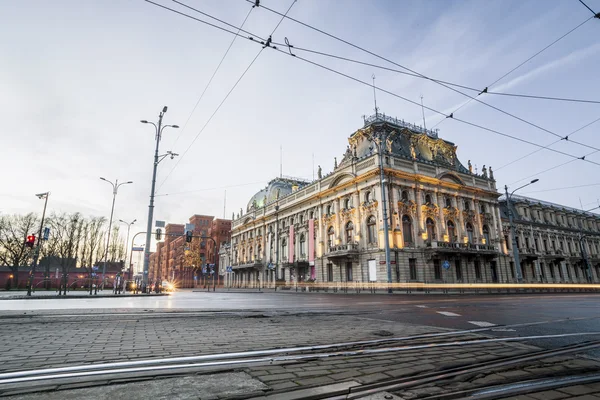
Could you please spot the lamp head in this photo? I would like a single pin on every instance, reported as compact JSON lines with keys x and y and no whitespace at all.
{"x":144,"y":121}
{"x":534,"y":181}
{"x":175,"y":126}
{"x":164,"y":109}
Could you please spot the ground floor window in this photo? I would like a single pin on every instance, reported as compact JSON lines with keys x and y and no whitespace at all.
{"x":575,"y":268}
{"x":551,"y":268}
{"x":349,"y":272}
{"x":412,"y":266}
{"x":283,"y":274}
{"x":458,"y":268}
{"x":330,"y":272}
{"x":560,"y":271}
{"x":437,"y":270}
{"x":512,"y":269}
{"x":477,"y":267}
{"x":542,"y":270}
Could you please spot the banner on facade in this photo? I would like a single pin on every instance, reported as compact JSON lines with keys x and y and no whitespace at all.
{"x":311,"y":243}
{"x":291,"y":245}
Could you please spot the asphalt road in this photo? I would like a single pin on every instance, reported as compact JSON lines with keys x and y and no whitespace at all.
{"x":557,"y":313}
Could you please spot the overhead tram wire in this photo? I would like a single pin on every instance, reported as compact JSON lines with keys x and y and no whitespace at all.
{"x":296,"y":48}
{"x":596,"y":15}
{"x":522,"y":63}
{"x":564,"y":188}
{"x":433,"y":80}
{"x":212,"y":77}
{"x":370,"y":85}
{"x":545,"y":147}
{"x":232,"y":88}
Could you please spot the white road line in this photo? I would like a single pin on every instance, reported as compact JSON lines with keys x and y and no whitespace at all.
{"x":448,"y":313}
{"x":483,"y":324}
{"x":422,"y":306}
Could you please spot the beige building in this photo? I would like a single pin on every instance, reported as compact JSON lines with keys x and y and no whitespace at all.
{"x":557,"y":244}
{"x":444,"y":219}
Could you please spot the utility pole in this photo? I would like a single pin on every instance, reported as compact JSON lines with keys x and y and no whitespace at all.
{"x":36,"y":253}
{"x":157,"y":159}
{"x":517,"y":262}
{"x":127,"y":244}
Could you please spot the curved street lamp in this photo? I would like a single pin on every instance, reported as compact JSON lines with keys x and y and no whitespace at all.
{"x":518,"y":272}
{"x":115,"y":185}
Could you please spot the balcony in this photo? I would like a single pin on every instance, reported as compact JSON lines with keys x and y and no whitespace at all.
{"x":458,"y":248}
{"x":529,"y":252}
{"x":343,"y":250}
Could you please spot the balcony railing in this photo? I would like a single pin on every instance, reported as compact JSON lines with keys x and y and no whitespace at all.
{"x":347,"y":247}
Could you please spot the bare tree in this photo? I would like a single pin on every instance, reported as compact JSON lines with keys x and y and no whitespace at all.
{"x":63,"y":244}
{"x":13,"y":234}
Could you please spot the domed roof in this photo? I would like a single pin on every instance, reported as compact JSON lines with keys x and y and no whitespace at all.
{"x":277,"y":188}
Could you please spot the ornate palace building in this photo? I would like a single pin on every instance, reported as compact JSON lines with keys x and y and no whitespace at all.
{"x":556,"y":243}
{"x":444,"y":220}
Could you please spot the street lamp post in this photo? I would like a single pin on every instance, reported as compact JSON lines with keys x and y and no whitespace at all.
{"x":517,"y":267}
{"x":380,"y":139}
{"x":157,"y":159}
{"x":36,"y":253}
{"x":127,"y":244}
{"x":115,"y":187}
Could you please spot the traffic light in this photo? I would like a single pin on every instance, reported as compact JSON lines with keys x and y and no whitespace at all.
{"x":158,"y":234}
{"x":188,"y":236}
{"x":30,"y":242}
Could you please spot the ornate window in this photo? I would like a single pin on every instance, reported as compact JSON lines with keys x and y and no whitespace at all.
{"x":368,"y":197}
{"x":250,"y":255}
{"x":482,"y":208}
{"x":430,"y":229}
{"x":427,"y":199}
{"x":467,"y":205}
{"x":259,"y":252}
{"x":448,"y":202}
{"x":302,"y":245}
{"x":283,"y":248}
{"x":348,"y":203}
{"x":470,"y":232}
{"x":329,"y":209}
{"x":371,"y":229}
{"x":311,"y":215}
{"x":349,"y":232}
{"x":301,"y":218}
{"x":407,"y":229}
{"x":451,"y":231}
{"x":486,"y":234}
{"x":330,"y":236}
{"x":243,"y":255}
{"x":404,"y":195}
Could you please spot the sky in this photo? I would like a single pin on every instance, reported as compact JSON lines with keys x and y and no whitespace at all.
{"x":77,"y":76}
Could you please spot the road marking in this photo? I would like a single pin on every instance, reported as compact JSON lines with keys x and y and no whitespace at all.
{"x":483,"y":324}
{"x":503,"y":330}
{"x":422,"y":306}
{"x":448,"y":313}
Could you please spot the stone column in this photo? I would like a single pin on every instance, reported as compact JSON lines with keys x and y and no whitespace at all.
{"x":461,"y":229}
{"x":420,"y":223}
{"x":478,"y":220}
{"x":439,"y":200}
{"x":538,"y":271}
{"x":338,"y":221}
{"x":563,"y":268}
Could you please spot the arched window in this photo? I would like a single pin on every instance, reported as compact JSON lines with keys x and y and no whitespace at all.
{"x":283,"y":249}
{"x":482,"y":208}
{"x":259,"y":252}
{"x":349,"y":232}
{"x":329,"y":208}
{"x":283,"y":224}
{"x":404,"y":195}
{"x":407,"y":229}
{"x":330,"y":236}
{"x":243,"y":255}
{"x":430,"y":229}
{"x":347,"y":204}
{"x":371,"y":229}
{"x":302,"y":245}
{"x":451,"y":231}
{"x":448,"y":202}
{"x":427,"y":199}
{"x":301,"y":218}
{"x":311,"y":215}
{"x":250,"y":254}
{"x":470,"y":232}
{"x":368,"y":197}
{"x":467,"y":205}
{"x":486,"y":234}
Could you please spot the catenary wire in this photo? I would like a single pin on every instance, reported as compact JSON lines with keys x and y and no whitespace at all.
{"x":563,"y":188}
{"x":338,"y":57}
{"x":370,"y":85}
{"x":224,"y":99}
{"x":211,"y":78}
{"x":592,"y":11}
{"x":545,"y":147}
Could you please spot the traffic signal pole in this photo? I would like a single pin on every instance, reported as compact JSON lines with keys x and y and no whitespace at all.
{"x":36,"y":253}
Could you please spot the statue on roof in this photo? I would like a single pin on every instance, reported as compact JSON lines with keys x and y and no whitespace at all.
{"x":264,"y":200}
{"x":241,"y":212}
{"x":484,"y":171}
{"x":319,"y":172}
{"x":232,"y":216}
{"x":413,"y":153}
{"x":354,"y":151}
{"x":491,"y":173}
{"x":277,"y":193}
{"x":254,"y":203}
{"x":388,"y":144}
{"x":470,"y":167}
{"x":334,"y":162}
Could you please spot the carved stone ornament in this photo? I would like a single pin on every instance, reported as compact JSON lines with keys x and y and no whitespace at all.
{"x":407,"y":207}
{"x":450,"y":212}
{"x":328,"y":219}
{"x":431,"y":211}
{"x":469,"y":216}
{"x":347,"y":212}
{"x":487,"y":218}
{"x":371,"y":206}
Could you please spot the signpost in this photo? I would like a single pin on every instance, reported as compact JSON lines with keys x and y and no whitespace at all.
{"x":446,"y":264}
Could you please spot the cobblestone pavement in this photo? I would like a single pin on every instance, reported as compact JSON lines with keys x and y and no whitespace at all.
{"x":53,"y":338}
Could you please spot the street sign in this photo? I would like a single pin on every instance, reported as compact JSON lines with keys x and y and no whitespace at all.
{"x":95,"y":268}
{"x":446,"y":264}
{"x":137,"y":249}
{"x":159,"y":224}
{"x":189,"y":227}
{"x":229,"y":269}
{"x":46,"y":234}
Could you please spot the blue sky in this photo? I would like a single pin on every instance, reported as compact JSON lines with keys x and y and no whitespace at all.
{"x":77,"y":76}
